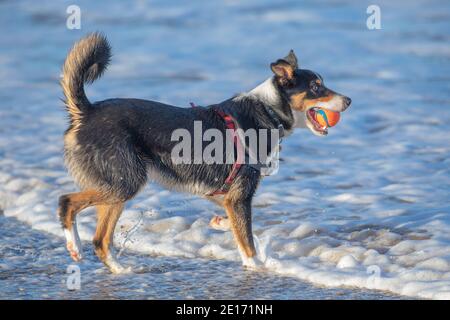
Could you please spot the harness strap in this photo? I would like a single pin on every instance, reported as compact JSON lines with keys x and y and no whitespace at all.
{"x":231,"y":124}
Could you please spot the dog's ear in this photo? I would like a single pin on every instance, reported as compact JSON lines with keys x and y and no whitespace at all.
{"x":291,"y":58}
{"x":284,"y":68}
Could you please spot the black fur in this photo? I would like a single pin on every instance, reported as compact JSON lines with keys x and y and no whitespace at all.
{"x":113,"y":146}
{"x":121,"y":140}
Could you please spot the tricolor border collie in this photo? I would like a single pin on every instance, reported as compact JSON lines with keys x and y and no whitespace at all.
{"x":113,"y":147}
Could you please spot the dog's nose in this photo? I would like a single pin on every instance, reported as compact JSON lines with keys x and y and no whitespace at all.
{"x":347,"y":101}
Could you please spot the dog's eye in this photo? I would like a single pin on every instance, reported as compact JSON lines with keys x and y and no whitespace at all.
{"x":314,"y":87}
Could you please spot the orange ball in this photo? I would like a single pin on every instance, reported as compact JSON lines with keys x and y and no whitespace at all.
{"x":327,"y":118}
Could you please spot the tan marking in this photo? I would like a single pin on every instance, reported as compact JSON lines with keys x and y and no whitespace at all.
{"x":283,"y":70}
{"x":308,"y":103}
{"x":75,"y":202}
{"x":239,"y":228}
{"x":70,"y":139}
{"x":298,"y":101}
{"x":217,"y":199}
{"x":290,"y":72}
{"x":107,"y":217}
{"x":71,"y":106}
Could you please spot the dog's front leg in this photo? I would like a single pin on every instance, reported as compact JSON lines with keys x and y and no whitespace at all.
{"x":238,"y":209}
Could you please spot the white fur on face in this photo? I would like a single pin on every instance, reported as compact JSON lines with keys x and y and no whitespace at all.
{"x":336,"y":104}
{"x":267,"y":93}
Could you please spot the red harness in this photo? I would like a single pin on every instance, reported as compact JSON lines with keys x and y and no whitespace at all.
{"x":231,"y":124}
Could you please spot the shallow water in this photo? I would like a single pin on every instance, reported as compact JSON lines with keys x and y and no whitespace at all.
{"x":365,"y":207}
{"x":34,"y":266}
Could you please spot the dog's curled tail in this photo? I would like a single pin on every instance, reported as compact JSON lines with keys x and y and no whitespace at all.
{"x":86,"y":62}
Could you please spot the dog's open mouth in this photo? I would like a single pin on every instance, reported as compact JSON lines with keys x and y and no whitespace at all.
{"x":311,"y":115}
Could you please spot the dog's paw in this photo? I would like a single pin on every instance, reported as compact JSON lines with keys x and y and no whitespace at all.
{"x":220,"y":223}
{"x":252,"y":263}
{"x":119,"y":269}
{"x":114,"y":266}
{"x":73,"y":244}
{"x":74,"y":252}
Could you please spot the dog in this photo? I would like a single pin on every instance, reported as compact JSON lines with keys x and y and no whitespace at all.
{"x":113,"y":147}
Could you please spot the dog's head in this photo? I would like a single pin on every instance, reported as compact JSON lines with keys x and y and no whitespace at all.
{"x":305,"y":90}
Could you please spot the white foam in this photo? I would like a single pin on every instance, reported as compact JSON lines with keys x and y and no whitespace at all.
{"x":366,"y":207}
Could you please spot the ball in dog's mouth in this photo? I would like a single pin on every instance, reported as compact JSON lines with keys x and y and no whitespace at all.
{"x":311,"y":115}
{"x":322,"y":119}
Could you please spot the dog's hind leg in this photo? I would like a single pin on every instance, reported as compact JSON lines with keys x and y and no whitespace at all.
{"x":107,"y":217}
{"x":219,"y":222}
{"x":69,"y":206}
